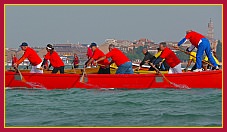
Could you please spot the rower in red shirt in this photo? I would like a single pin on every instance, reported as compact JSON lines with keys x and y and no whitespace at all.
{"x":33,"y":58}
{"x":202,"y":44}
{"x":76,"y":61}
{"x":170,"y":57}
{"x":14,"y":59}
{"x":97,"y":54}
{"x":89,"y":55}
{"x":54,"y":59}
{"x":121,"y":60}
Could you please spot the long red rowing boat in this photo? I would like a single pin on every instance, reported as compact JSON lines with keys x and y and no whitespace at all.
{"x":208,"y":79}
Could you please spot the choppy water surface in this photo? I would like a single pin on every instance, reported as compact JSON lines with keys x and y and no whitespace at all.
{"x":81,"y":107}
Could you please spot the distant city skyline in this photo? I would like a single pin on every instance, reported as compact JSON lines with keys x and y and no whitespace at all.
{"x":40,"y":25}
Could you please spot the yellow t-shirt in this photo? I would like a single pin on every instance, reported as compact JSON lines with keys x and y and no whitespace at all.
{"x":158,"y":54}
{"x":191,"y":56}
{"x":216,"y":60}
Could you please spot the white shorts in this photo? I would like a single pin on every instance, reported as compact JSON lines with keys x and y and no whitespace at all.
{"x":176,"y":69}
{"x":36,"y":69}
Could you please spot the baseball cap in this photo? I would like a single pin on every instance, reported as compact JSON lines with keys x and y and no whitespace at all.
{"x":24,"y":44}
{"x":93,"y":44}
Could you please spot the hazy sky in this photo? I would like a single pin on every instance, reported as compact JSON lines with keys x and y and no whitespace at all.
{"x":39,"y":25}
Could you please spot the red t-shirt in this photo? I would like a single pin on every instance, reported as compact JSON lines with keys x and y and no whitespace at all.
{"x":14,"y":60}
{"x":170,"y":57}
{"x":117,"y":56}
{"x":32,"y":56}
{"x":89,"y":52}
{"x":54,"y":58}
{"x":98,"y":54}
{"x":194,"y":38}
{"x":76,"y":60}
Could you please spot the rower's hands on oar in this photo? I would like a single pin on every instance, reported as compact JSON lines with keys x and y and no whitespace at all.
{"x":95,"y":63}
{"x":152,"y":64}
{"x":155,"y":68}
{"x":147,"y":61}
{"x":16,"y":69}
{"x":15,"y":65}
{"x":137,"y":68}
{"x":185,"y":70}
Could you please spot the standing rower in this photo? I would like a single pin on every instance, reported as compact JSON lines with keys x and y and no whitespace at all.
{"x":97,"y":54}
{"x":76,"y":61}
{"x":54,"y":59}
{"x":33,"y":58}
{"x":202,"y":44}
{"x":121,"y":60}
{"x":14,"y":59}
{"x":170,"y":57}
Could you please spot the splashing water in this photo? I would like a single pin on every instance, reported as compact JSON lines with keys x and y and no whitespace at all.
{"x":35,"y":85}
{"x":180,"y":86}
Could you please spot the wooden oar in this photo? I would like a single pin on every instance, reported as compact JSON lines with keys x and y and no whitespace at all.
{"x":19,"y":77}
{"x":181,"y":86}
{"x":82,"y":78}
{"x":73,"y":69}
{"x":162,"y":75}
{"x":110,"y":66}
{"x":195,"y":57}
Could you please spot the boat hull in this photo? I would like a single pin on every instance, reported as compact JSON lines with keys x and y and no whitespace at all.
{"x":67,"y":71}
{"x":209,"y":79}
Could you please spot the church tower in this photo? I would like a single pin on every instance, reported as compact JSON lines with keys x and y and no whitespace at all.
{"x":210,"y":36}
{"x":210,"y":32}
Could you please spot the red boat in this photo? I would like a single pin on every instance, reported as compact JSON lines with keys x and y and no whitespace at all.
{"x":208,"y":79}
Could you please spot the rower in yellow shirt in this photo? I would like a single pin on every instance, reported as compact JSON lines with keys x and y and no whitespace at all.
{"x":205,"y":65}
{"x":192,"y":58}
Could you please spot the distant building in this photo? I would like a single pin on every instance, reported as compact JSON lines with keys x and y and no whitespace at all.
{"x":143,"y":42}
{"x":111,"y":41}
{"x":70,"y":49}
{"x":210,"y":36}
{"x":210,"y":32}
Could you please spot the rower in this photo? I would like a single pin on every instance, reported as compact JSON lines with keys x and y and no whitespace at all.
{"x":147,"y":58}
{"x":170,"y":57}
{"x":76,"y":61}
{"x":121,"y":60}
{"x":162,"y":66}
{"x":202,"y":44}
{"x":206,"y":66}
{"x":192,"y":58}
{"x":55,"y":60}
{"x":14,"y":59}
{"x":46,"y":67}
{"x":89,"y":55}
{"x":97,"y":54}
{"x":33,"y":58}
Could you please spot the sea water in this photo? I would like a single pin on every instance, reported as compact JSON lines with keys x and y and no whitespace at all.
{"x":113,"y":108}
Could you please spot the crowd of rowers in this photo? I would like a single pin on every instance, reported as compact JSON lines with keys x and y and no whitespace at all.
{"x":165,"y":59}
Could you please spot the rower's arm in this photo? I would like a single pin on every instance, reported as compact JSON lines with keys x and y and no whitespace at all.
{"x":44,"y":62}
{"x":50,"y":66}
{"x":89,"y":62}
{"x":157,"y":61}
{"x":20,"y":60}
{"x":182,"y":41}
{"x":189,"y":63}
{"x":73,"y":61}
{"x":146,"y":57}
{"x":100,"y":59}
